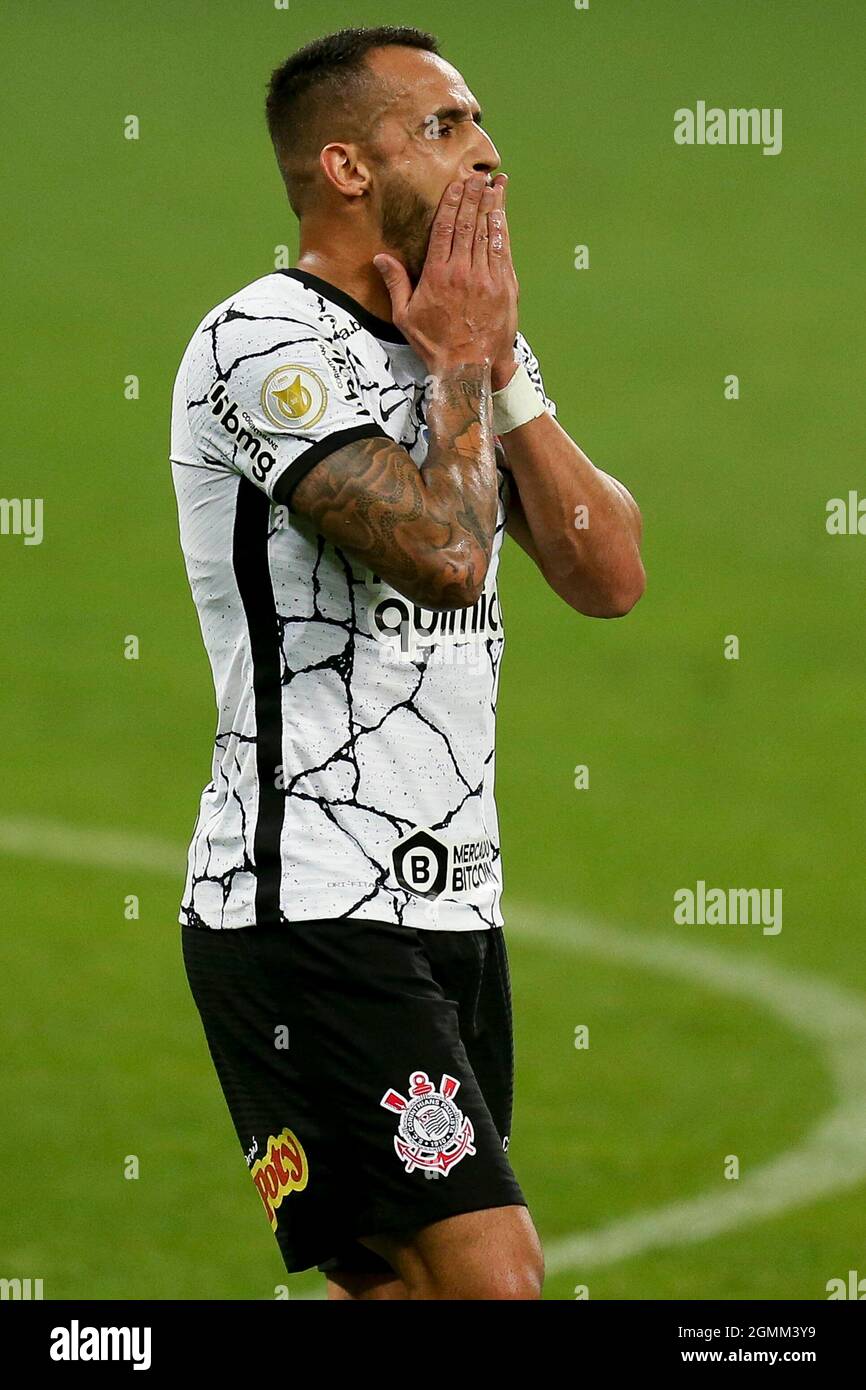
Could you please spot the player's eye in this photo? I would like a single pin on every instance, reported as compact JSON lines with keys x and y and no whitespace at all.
{"x":444,"y":129}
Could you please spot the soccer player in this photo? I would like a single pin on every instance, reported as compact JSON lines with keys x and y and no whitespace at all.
{"x":351,"y":440}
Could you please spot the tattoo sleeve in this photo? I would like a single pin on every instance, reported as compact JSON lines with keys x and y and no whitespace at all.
{"x":427,"y":531}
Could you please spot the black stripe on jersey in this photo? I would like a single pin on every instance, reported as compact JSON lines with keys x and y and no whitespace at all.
{"x":253,"y":576}
{"x":380,"y":328}
{"x":300,"y":466}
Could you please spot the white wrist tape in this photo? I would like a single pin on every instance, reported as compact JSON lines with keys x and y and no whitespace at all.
{"x":516,"y":404}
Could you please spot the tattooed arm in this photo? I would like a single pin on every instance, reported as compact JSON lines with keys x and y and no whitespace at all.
{"x":428,"y":532}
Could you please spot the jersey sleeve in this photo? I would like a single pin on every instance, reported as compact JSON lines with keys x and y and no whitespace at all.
{"x":525,"y":356}
{"x":270,"y":398}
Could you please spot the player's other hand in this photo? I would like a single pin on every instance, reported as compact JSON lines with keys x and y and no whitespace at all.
{"x":464,"y":307}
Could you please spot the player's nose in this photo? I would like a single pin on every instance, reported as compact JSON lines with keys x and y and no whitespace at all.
{"x":485,"y":156}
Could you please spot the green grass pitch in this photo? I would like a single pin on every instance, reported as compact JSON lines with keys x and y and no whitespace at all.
{"x":704,"y":262}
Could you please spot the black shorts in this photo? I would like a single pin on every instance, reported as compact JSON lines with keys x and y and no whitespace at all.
{"x":368,"y":1069}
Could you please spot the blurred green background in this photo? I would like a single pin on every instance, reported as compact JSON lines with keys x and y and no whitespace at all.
{"x":703,"y":262}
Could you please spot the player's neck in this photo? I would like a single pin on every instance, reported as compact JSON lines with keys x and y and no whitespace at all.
{"x":356,"y":277}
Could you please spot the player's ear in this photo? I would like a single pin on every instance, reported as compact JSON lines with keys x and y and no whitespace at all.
{"x":345,"y":170}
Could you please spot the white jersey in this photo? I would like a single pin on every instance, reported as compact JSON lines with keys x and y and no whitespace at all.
{"x":354,"y":755}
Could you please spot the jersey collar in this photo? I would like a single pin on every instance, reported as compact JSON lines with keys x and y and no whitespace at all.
{"x":380,"y":328}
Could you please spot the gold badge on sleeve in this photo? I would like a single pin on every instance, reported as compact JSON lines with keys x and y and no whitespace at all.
{"x":294,"y":397}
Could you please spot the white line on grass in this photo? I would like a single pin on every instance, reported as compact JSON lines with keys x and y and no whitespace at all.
{"x":832,"y":1156}
{"x":98,"y":849}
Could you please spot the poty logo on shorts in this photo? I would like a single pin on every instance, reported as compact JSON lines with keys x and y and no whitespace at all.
{"x":229,"y":415}
{"x":425,"y":865}
{"x":282,"y":1170}
{"x":432,"y":1133}
{"x":406,"y":626}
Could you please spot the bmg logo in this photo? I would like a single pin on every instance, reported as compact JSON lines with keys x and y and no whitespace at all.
{"x":420,"y":864}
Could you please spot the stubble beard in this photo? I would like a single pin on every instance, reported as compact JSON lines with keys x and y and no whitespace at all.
{"x":406,"y":221}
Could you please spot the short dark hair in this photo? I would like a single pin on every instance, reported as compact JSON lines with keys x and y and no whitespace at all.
{"x":327,"y":77}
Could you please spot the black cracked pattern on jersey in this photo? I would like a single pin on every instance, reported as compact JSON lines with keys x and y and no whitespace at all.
{"x":341,"y":662}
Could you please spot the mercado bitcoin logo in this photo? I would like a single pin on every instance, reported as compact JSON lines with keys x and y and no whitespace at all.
{"x":283,"y":1169}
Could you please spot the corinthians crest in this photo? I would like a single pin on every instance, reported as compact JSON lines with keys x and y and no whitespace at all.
{"x":432,"y":1132}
